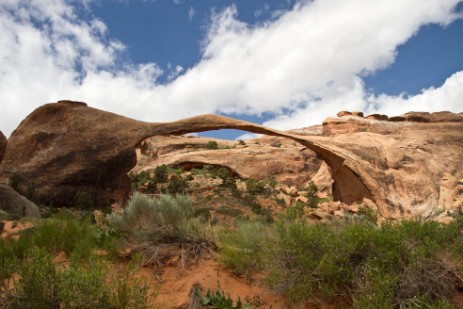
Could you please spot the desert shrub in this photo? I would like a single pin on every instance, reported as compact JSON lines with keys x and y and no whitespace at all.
{"x":161,"y":173}
{"x":294,"y":212}
{"x":395,"y":265}
{"x":211,"y":145}
{"x":148,"y":224}
{"x":228,"y":181}
{"x":177,"y":184}
{"x":369,"y":214}
{"x":37,"y":283}
{"x":92,"y":284}
{"x":254,"y":186}
{"x":241,"y":142}
{"x":242,"y":249}
{"x":64,"y":233}
{"x":82,"y":286}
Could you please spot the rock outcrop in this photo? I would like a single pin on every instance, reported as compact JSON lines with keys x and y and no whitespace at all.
{"x":3,"y":141}
{"x":288,"y":162}
{"x":68,"y":147}
{"x":15,"y":204}
{"x":382,"y":124}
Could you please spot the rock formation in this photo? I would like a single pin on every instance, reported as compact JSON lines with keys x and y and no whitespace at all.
{"x":288,"y":162}
{"x":2,"y":145}
{"x":401,"y":167}
{"x":15,"y":204}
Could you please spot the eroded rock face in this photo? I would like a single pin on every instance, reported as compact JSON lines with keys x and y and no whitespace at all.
{"x":402,"y":167}
{"x":3,"y":141}
{"x":409,"y":163}
{"x":382,"y":124}
{"x":288,"y":162}
{"x":15,"y":204}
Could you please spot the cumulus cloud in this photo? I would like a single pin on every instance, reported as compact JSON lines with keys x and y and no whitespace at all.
{"x":306,"y":64}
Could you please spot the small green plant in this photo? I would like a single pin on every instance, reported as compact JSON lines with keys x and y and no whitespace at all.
{"x":211,"y":145}
{"x":219,"y":300}
{"x":241,"y":142}
{"x":276,"y":144}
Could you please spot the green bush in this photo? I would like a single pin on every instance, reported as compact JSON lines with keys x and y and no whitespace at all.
{"x":211,"y":145}
{"x":242,"y":249}
{"x":81,"y":285}
{"x":254,"y":186}
{"x":148,"y":224}
{"x":177,"y":184}
{"x":161,"y":173}
{"x":381,"y":267}
{"x":37,"y":283}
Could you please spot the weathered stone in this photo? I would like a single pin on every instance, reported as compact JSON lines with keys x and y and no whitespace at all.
{"x":3,"y":142}
{"x":446,"y":116}
{"x":417,"y":117}
{"x":15,"y":204}
{"x":357,"y":114}
{"x":377,"y":117}
{"x":343,"y":113}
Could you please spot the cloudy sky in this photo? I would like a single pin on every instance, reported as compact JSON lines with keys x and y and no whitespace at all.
{"x":286,"y":64}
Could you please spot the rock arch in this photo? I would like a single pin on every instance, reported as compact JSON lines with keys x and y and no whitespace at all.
{"x":66,"y":147}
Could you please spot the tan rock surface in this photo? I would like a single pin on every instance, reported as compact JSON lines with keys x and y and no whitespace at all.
{"x":68,"y":147}
{"x":290,"y":163}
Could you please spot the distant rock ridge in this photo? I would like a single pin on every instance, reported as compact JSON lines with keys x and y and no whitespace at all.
{"x":352,"y":122}
{"x":65,"y":148}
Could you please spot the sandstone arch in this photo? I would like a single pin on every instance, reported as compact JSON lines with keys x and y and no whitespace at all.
{"x":65,"y":147}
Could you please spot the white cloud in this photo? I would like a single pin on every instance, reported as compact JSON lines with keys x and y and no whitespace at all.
{"x":191,"y":13}
{"x":303,"y":66}
{"x":175,"y":72}
{"x":248,"y":136}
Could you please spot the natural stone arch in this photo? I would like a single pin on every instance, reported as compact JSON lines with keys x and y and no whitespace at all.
{"x":67,"y":147}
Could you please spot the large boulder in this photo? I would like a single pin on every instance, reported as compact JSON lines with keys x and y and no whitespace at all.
{"x":3,"y":142}
{"x":15,"y":204}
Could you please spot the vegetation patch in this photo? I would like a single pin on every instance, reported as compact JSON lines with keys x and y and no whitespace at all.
{"x":155,"y":225}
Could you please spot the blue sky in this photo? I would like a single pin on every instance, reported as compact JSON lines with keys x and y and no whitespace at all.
{"x":285,"y":64}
